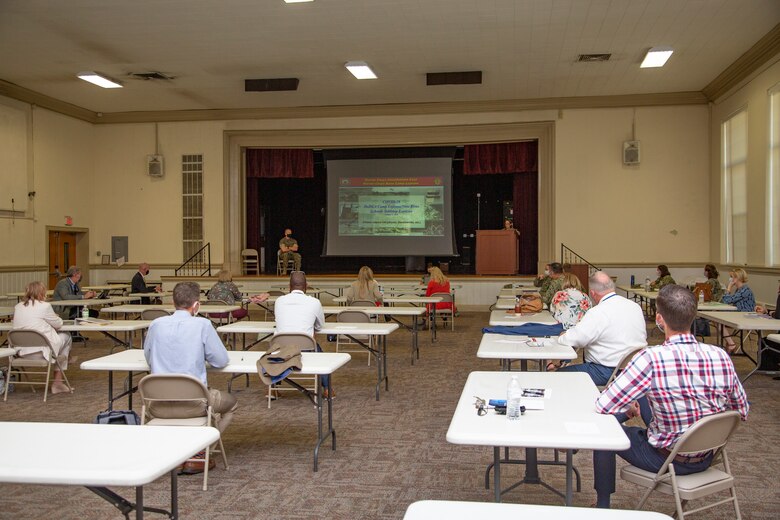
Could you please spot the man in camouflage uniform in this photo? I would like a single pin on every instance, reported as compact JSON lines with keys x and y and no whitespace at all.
{"x":555,"y":284}
{"x":543,"y":280}
{"x":288,"y":250}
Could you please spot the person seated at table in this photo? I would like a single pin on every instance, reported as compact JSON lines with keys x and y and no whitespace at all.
{"x":438,"y":284}
{"x":664,"y":278}
{"x":739,"y":295}
{"x":365,"y":288}
{"x":35,"y":313}
{"x":716,"y":289}
{"x":570,"y":304}
{"x":555,"y":284}
{"x":614,"y":326}
{"x":769,"y":358}
{"x":543,"y":279}
{"x":226,"y":291}
{"x":683,"y":380}
{"x":288,"y":250}
{"x":298,"y":312}
{"x":182,"y":343}
{"x":138,"y":283}
{"x":68,"y":289}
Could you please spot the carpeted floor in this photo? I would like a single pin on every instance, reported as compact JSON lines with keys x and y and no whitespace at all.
{"x":390,"y":453}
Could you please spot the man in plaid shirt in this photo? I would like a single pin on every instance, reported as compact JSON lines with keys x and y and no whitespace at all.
{"x":683,"y":380}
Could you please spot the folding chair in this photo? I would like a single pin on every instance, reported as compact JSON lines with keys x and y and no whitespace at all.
{"x":708,"y":433}
{"x":31,"y":338}
{"x":153,"y":314}
{"x":307,"y":344}
{"x":250,"y":261}
{"x":444,"y":314}
{"x":179,"y":400}
{"x":622,"y":364}
{"x":341,"y":340}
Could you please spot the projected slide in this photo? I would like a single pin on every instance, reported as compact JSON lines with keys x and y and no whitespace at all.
{"x":391,"y":206}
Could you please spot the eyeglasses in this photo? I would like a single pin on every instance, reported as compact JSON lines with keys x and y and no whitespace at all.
{"x":481,"y":406}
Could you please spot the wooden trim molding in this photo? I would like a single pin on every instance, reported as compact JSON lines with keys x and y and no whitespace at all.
{"x":764,"y":50}
{"x":235,"y":141}
{"x":34,"y":98}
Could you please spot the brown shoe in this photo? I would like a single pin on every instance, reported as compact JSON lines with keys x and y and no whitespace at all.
{"x":193,"y":467}
{"x":325,"y":393}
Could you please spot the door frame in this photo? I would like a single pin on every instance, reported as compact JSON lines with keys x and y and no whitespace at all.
{"x":82,"y":248}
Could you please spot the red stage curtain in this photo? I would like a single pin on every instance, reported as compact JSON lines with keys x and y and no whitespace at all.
{"x":526,"y":219}
{"x":500,"y":158}
{"x":253,"y":214}
{"x":282,"y":163}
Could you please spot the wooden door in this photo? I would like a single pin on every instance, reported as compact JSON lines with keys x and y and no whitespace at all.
{"x":62,"y":254}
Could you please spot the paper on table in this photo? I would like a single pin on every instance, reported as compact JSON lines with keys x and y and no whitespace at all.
{"x":581,"y":427}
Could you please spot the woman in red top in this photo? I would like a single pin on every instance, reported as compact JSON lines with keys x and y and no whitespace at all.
{"x":438,"y":284}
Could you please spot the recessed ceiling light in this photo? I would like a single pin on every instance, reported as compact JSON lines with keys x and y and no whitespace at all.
{"x":360,"y":70}
{"x":656,"y":57}
{"x":296,"y":1}
{"x":99,"y":80}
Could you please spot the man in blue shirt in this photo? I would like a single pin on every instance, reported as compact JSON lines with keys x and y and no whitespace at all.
{"x":182,"y":344}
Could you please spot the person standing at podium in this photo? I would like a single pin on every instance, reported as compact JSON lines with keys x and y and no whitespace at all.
{"x":509,"y":226}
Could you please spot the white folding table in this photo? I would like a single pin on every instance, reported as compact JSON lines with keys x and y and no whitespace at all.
{"x":454,"y":510}
{"x":240,"y":362}
{"x":169,"y":307}
{"x":108,"y":328}
{"x":101,"y":455}
{"x":742,"y":321}
{"x":351,"y":330}
{"x":568,"y":421}
{"x":502,"y":317}
{"x":394,"y":313}
{"x":6,"y":312}
{"x":508,"y":348}
{"x":414,"y":301}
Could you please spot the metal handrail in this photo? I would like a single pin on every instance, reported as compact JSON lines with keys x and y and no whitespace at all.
{"x":569,"y":257}
{"x":198,"y":264}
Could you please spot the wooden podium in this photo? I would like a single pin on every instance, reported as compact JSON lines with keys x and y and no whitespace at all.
{"x":497,"y":251}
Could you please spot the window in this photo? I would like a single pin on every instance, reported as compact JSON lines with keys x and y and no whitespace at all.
{"x":192,"y":204}
{"x":734,"y":176}
{"x":773,"y":180}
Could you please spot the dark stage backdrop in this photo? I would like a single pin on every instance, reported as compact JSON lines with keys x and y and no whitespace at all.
{"x":299,"y":203}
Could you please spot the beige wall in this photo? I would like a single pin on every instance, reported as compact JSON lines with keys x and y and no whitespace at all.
{"x":753,"y":96}
{"x":609,"y":212}
{"x":62,"y":178}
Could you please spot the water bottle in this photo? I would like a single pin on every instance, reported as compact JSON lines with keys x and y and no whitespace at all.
{"x":701,"y":297}
{"x":632,"y":281}
{"x":518,"y":307}
{"x":513,"y":394}
{"x":84,"y":312}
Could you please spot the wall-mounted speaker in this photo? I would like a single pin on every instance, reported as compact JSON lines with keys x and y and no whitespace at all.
{"x":631,"y":153}
{"x":155,"y":166}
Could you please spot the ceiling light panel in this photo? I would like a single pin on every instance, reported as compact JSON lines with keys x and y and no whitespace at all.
{"x":360,"y":70}
{"x":656,"y":57}
{"x":98,"y":79}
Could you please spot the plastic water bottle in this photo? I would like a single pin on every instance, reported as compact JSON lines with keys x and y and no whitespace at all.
{"x":701,"y":297}
{"x":84,"y":312}
{"x":518,"y":307}
{"x":632,"y":280}
{"x":513,"y":394}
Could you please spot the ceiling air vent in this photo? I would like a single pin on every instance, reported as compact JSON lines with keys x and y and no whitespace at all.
{"x":149,"y":76}
{"x":472,"y":77}
{"x":593,"y":57}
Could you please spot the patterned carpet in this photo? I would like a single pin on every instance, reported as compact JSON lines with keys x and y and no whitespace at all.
{"x":390,"y":453}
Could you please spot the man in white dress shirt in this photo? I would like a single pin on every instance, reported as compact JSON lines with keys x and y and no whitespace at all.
{"x":299,"y":312}
{"x":613,"y":327}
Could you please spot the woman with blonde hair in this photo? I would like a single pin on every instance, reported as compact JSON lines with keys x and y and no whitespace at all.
{"x":570,"y":304}
{"x":741,"y":296}
{"x":438,"y":284}
{"x":226,"y":291}
{"x":365,"y":288}
{"x":35,"y":313}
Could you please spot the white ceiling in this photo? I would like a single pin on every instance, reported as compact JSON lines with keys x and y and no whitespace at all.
{"x":525,"y":48}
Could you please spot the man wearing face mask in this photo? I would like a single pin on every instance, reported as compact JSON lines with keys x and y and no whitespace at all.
{"x":683,"y":381}
{"x":288,"y":250}
{"x":543,"y":280}
{"x":138,"y":285}
{"x":68,"y":289}
{"x":182,"y":343}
